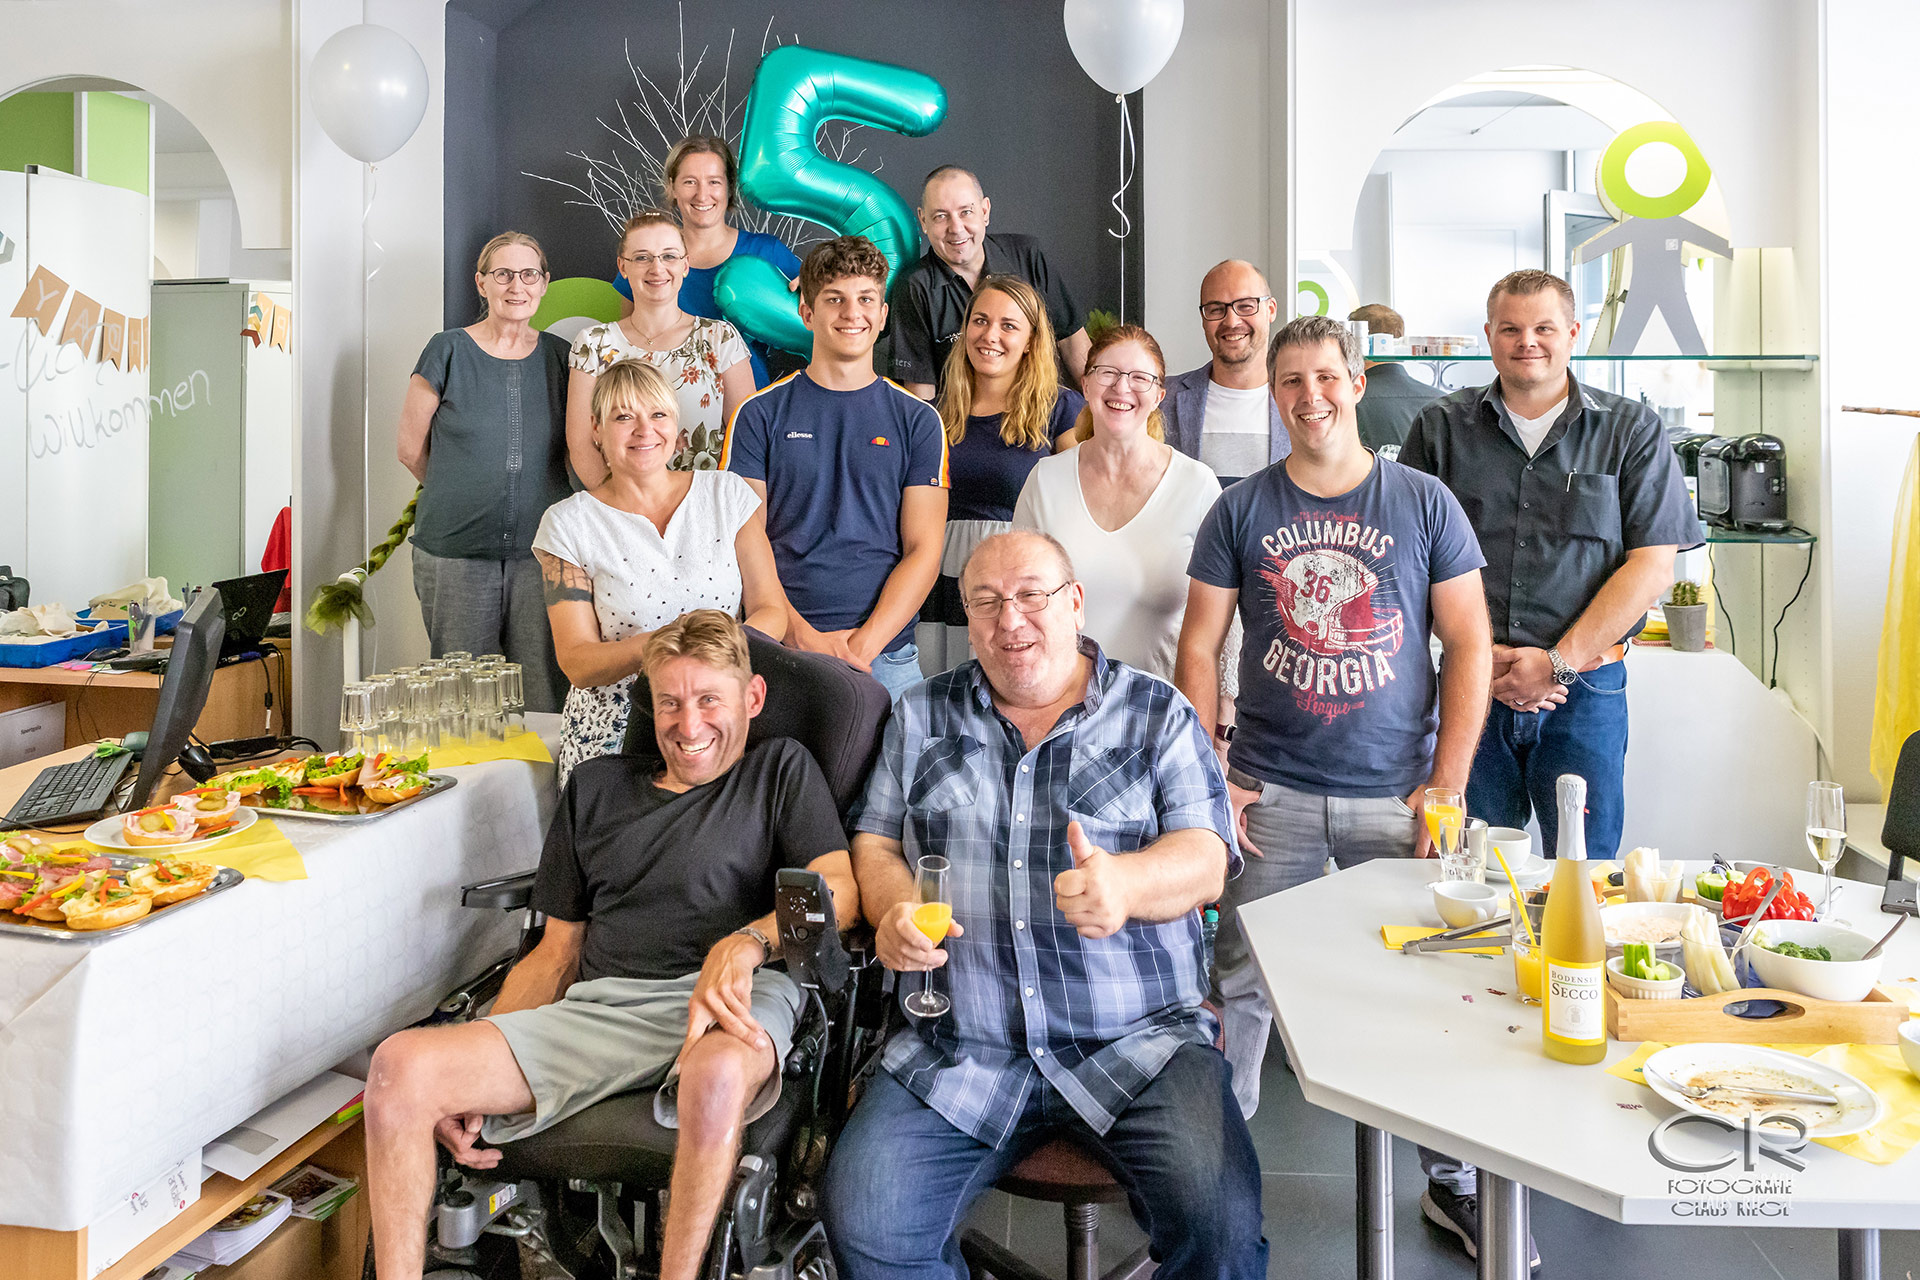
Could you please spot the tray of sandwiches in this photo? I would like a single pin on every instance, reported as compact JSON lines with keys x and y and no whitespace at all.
{"x":69,"y":893}
{"x":337,"y":787}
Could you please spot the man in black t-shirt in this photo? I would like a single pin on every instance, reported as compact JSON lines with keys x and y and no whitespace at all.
{"x":658,"y":888}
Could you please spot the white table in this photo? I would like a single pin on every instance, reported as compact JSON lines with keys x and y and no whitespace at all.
{"x":1422,"y":1047}
{"x":119,"y":1055}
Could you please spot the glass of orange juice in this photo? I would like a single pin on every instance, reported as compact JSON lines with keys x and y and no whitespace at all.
{"x":1446,"y":813}
{"x":1526,"y":955}
{"x":932,"y":917}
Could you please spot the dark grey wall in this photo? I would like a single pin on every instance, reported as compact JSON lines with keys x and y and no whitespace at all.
{"x":526,"y":84}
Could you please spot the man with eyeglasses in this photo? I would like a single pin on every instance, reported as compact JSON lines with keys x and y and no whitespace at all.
{"x":1085,"y":822}
{"x":1222,"y":413}
{"x":929,"y":298}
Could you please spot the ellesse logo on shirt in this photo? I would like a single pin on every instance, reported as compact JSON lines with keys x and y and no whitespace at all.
{"x":799,"y":435}
{"x":882,"y":441}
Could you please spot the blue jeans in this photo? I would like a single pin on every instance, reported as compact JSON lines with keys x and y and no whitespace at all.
{"x":1522,"y":753}
{"x":902,"y":1178}
{"x":898,"y":670}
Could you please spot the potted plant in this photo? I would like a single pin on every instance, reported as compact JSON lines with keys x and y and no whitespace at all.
{"x":1686,"y":616}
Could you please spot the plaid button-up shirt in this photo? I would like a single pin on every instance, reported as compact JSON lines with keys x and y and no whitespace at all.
{"x":1098,"y":1018}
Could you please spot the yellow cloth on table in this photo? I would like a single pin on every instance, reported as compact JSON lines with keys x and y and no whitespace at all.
{"x":1878,"y":1066}
{"x":524,"y":745}
{"x":260,"y":852}
{"x":1396,"y":936}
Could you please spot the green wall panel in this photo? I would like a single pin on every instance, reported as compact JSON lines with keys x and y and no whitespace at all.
{"x":37,"y":128}
{"x":119,"y":141}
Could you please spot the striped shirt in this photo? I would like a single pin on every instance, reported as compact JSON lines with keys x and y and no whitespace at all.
{"x":1096,"y":1017}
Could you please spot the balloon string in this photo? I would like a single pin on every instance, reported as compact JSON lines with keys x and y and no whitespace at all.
{"x":372,"y":188}
{"x":1129,"y":157}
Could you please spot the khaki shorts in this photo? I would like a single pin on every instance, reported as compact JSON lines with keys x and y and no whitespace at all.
{"x":615,"y":1034}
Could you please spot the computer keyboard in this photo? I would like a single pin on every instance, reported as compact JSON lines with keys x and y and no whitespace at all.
{"x":77,"y":789}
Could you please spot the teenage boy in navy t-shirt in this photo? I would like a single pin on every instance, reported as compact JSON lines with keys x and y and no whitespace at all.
{"x":853,"y":469}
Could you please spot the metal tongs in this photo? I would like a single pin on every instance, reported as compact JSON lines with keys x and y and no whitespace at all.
{"x":1465,"y":938}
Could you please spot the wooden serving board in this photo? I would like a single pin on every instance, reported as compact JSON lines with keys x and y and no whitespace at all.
{"x":1875,"y":1020}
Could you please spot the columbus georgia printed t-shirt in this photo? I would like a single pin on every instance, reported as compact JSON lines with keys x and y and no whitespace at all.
{"x":837,"y":465}
{"x":1338,"y":694}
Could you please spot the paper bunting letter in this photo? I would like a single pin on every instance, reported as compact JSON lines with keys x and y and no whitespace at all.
{"x":83,"y":324}
{"x":113,"y":348}
{"x":282,"y":329}
{"x":136,"y":344}
{"x":40,"y":300}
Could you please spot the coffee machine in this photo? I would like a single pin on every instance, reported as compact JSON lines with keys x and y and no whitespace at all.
{"x":1743,"y":483}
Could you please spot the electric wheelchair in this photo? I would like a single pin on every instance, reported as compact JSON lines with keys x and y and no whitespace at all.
{"x":585,"y":1197}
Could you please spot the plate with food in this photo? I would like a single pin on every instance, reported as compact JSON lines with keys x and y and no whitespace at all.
{"x":1735,"y":1081}
{"x":75,"y":894}
{"x":194,"y":820}
{"x":341,"y":787}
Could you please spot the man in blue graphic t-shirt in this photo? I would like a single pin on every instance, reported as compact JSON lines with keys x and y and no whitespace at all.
{"x":853,"y":469}
{"x":1340,"y":564}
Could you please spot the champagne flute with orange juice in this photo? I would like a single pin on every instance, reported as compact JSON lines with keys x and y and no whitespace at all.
{"x":933,"y":917}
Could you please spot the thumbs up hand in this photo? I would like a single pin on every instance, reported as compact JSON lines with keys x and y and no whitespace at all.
{"x":1093,"y":895}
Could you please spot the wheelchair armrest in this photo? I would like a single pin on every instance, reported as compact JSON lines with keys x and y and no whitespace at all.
{"x":509,"y":893}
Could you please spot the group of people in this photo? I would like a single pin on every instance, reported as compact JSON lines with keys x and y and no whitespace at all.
{"x":1152,"y":644}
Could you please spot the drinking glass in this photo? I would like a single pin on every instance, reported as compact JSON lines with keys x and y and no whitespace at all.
{"x":484,"y":716}
{"x":449,"y":707}
{"x":356,"y":714}
{"x":490,"y":659}
{"x":1826,"y":832}
{"x":1446,"y":813}
{"x":456,"y":655}
{"x":513,"y":695}
{"x":422,"y":715}
{"x":932,"y":917}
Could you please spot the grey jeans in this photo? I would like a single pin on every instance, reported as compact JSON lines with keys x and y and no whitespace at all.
{"x":491,"y":606}
{"x":1297,"y":832}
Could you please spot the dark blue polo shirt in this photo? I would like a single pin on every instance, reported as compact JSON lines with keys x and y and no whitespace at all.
{"x":1555,"y":526}
{"x":927,"y":306}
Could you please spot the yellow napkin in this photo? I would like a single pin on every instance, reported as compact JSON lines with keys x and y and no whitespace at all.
{"x":1878,"y":1066}
{"x":1396,"y":936}
{"x":524,"y":745}
{"x":260,"y":853}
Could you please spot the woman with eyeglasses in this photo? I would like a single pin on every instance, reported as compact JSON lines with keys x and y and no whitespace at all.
{"x":1124,"y":504}
{"x":1003,"y":408}
{"x":483,"y":429}
{"x":704,"y":360}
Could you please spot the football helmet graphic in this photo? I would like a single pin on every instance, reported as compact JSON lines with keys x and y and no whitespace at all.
{"x":1326,"y":603}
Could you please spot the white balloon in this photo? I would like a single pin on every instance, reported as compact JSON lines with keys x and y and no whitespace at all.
{"x":1123,"y":44}
{"x":369,"y":90}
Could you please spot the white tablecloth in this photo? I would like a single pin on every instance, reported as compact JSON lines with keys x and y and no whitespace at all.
{"x":117,"y":1056}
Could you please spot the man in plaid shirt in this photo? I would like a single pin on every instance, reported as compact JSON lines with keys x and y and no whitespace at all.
{"x":1085,"y":816}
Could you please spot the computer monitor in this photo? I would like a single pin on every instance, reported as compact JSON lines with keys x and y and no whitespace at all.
{"x":183,"y":690}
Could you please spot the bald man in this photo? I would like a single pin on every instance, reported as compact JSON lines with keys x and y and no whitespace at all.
{"x":928,"y":302}
{"x":1223,"y":412}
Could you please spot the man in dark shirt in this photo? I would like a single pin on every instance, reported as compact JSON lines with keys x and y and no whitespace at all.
{"x":1394,"y":396}
{"x":929,"y":299}
{"x":658,"y":891}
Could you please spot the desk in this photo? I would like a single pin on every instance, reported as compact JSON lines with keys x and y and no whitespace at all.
{"x":111,"y":704}
{"x":233,"y":1004}
{"x":1422,"y":1047}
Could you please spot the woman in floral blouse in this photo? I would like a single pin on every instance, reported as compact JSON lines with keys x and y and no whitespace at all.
{"x":704,"y":361}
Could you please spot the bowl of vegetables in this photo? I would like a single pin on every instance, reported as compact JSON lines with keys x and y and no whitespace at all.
{"x":1818,"y":960}
{"x":1740,"y":898}
{"x":1636,"y":974}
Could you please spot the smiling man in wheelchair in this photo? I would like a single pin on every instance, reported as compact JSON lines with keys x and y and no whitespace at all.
{"x":658,"y":887}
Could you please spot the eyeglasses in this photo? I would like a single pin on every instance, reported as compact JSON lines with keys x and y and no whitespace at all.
{"x":1241,"y":307}
{"x":1139,"y":379}
{"x":505,"y":275}
{"x":1024,"y":601}
{"x":668,"y":260}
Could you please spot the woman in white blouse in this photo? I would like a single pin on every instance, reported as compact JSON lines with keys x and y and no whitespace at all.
{"x":1124,"y":504}
{"x":643,"y":546}
{"x":705,"y":361}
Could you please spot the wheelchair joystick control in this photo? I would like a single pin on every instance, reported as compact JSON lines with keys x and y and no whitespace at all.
{"x":809,"y":935}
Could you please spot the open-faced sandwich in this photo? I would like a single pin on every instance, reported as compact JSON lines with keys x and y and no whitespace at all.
{"x":276,"y":781}
{"x":105,"y":901}
{"x":388,"y":778}
{"x":333,"y":772}
{"x":170,"y":881}
{"x":49,"y":893}
{"x":21,"y":846}
{"x":160,"y":825}
{"x":210,"y":808}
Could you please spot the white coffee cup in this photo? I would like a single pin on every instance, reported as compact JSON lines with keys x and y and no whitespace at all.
{"x":1514,"y":844}
{"x":1464,"y":902}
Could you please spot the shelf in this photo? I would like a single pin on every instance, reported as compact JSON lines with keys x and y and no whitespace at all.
{"x":1719,"y":364}
{"x":1788,"y":537}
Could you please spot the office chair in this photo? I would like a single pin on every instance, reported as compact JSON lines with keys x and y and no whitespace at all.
{"x":1901,"y":833}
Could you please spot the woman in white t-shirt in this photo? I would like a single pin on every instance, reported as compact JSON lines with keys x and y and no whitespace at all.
{"x":639,"y":549}
{"x":1124,"y":504}
{"x":705,"y":361}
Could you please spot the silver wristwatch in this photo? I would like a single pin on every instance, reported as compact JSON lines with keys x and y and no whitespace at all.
{"x":766,"y":943}
{"x":1563,"y":675}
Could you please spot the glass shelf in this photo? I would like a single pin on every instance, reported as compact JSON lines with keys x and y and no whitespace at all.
{"x":1787,"y":361}
{"x":1789,"y":537}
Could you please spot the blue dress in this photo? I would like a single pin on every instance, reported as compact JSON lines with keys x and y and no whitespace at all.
{"x":696,"y":291}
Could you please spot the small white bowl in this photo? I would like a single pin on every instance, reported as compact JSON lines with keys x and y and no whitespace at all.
{"x":1463,"y":902}
{"x":1643,"y":988}
{"x":1846,"y":977}
{"x":1910,"y":1045}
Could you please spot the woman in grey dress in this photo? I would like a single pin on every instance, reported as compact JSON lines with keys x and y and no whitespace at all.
{"x":483,"y":429}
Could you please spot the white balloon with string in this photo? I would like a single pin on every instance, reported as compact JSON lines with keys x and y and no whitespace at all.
{"x":1123,"y":44}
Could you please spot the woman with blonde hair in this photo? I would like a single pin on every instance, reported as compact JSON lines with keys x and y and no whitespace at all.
{"x":1002,"y":406}
{"x":645,"y":545}
{"x":483,"y":430}
{"x":705,"y":361}
{"x":1124,"y":504}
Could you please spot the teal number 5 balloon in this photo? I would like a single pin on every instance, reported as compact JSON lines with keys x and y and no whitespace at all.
{"x":795,"y":91}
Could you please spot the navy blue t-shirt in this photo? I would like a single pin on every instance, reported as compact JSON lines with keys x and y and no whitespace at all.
{"x":1338,"y":694}
{"x":988,"y":473}
{"x":836,"y":465}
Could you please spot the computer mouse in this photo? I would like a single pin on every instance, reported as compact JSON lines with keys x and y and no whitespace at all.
{"x":198,"y":763}
{"x":106,"y":655}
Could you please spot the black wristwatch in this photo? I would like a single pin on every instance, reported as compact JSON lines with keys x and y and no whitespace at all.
{"x":1224,"y":732}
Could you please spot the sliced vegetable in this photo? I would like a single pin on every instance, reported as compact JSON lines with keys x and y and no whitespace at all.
{"x":1711,"y":886}
{"x":1636,"y":960}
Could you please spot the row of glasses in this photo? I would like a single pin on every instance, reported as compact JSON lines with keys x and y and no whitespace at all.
{"x":453,"y":699}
